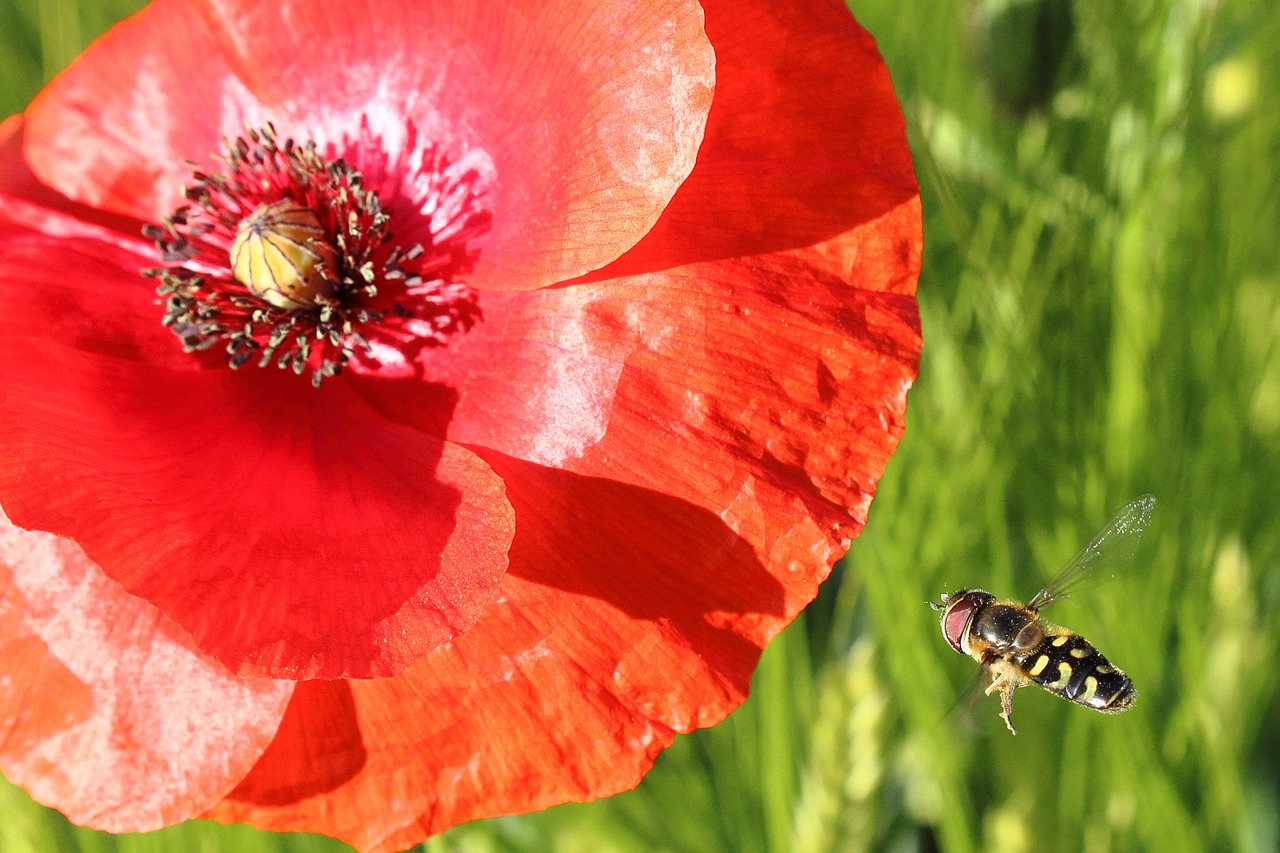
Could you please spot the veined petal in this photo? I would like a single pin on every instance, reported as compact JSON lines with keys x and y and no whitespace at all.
{"x":17,"y":181}
{"x":805,"y":141}
{"x":580,"y":117}
{"x":110,"y":714}
{"x":292,"y":532}
{"x":765,"y":387}
{"x":437,"y":756}
{"x":626,"y":616}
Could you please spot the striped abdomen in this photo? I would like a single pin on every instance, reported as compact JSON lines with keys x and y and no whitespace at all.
{"x":1067,"y":665}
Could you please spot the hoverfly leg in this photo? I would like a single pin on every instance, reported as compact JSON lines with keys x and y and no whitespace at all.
{"x":1006,"y":682}
{"x":1006,"y":704}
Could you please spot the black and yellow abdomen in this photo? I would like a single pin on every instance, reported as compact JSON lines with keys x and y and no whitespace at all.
{"x":1066,"y":664}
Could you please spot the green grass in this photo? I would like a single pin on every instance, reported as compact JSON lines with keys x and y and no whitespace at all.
{"x":1101,"y":309}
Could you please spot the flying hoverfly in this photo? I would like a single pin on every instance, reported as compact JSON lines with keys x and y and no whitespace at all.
{"x":1018,"y":648}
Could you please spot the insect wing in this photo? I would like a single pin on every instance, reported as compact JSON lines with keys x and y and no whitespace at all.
{"x":1114,"y":546}
{"x":965,"y":708}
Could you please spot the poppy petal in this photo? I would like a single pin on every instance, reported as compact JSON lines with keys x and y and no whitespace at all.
{"x":545,"y":738}
{"x":88,"y":675}
{"x":78,"y":283}
{"x":662,"y":595}
{"x":362,"y":544}
{"x":748,"y":383}
{"x":626,"y":616}
{"x":805,"y":140}
{"x":580,"y":119}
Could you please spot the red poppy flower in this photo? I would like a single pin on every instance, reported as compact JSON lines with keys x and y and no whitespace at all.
{"x":504,"y":378}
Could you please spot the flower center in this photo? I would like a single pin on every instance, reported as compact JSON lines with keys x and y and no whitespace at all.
{"x":286,"y":258}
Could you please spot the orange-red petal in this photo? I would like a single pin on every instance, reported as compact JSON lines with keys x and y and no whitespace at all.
{"x":805,"y":141}
{"x":766,"y":386}
{"x":110,"y":714}
{"x":621,"y":621}
{"x":626,"y":616}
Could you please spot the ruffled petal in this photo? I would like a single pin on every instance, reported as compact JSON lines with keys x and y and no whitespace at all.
{"x":805,"y":140}
{"x":762,"y":388}
{"x":447,"y":742}
{"x":579,"y":117}
{"x":109,"y":713}
{"x":626,"y":616}
{"x":629,"y":614}
{"x":292,"y":532}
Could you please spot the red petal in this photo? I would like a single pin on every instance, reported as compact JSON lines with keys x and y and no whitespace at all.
{"x":669,"y":607}
{"x":804,"y":142}
{"x":489,"y":730}
{"x":625,"y":615}
{"x":81,"y":285}
{"x":18,"y":183}
{"x":581,"y":117}
{"x":627,"y":612}
{"x":291,"y":531}
{"x":16,"y":179}
{"x":109,"y":714}
{"x":760,"y":388}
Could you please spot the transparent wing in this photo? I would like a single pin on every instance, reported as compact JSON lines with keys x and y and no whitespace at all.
{"x":1113,"y":546}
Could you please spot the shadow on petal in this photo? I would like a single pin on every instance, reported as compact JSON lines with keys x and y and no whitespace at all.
{"x":317,"y":748}
{"x":330,"y":543}
{"x":18,"y":182}
{"x":626,"y":615}
{"x":654,"y":557}
{"x":805,"y":140}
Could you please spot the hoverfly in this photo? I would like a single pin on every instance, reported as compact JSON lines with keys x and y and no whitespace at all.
{"x":1018,"y":648}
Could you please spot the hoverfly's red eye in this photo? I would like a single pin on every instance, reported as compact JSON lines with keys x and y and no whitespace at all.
{"x":956,"y":617}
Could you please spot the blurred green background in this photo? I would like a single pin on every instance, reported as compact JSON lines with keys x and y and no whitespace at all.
{"x":1101,"y":309}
